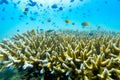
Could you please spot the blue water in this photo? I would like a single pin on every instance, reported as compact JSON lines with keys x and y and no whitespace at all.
{"x":51,"y":14}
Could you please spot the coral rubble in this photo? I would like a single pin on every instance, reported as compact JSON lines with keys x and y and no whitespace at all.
{"x":63,"y":55}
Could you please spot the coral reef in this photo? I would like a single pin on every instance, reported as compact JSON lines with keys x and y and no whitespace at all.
{"x":63,"y":55}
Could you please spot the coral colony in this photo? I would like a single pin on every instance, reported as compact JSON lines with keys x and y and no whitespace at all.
{"x":63,"y":55}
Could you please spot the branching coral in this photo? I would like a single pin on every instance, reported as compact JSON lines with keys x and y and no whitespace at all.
{"x":64,"y":55}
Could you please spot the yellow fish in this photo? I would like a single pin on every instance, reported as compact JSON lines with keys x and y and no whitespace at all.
{"x":84,"y":24}
{"x":32,"y":32}
{"x":67,"y":21}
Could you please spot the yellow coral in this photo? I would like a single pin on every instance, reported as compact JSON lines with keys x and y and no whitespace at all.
{"x":66,"y":54}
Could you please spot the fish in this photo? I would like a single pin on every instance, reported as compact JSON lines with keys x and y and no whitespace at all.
{"x":48,"y":20}
{"x":71,"y":1}
{"x":32,"y":3}
{"x":25,"y":9}
{"x":32,"y":32}
{"x":91,"y":34}
{"x":18,"y":2}
{"x":81,"y":0}
{"x":84,"y":24}
{"x":60,"y":8}
{"x":11,"y":18}
{"x":67,"y":21}
{"x":98,"y":27}
{"x":3,"y":1}
{"x":3,"y":9}
{"x":54,"y":6}
{"x":32,"y":18}
{"x":41,"y":5}
{"x":73,"y":23}
{"x":18,"y":30}
{"x":49,"y":30}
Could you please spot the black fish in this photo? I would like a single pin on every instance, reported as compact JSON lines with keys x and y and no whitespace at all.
{"x":41,"y":5}
{"x":49,"y":30}
{"x":91,"y":33}
{"x":32,"y":19}
{"x":81,"y":0}
{"x":71,"y":0}
{"x":3,"y":9}
{"x":11,"y":18}
{"x":32,"y":3}
{"x":60,"y":8}
{"x":18,"y":2}
{"x":54,"y":6}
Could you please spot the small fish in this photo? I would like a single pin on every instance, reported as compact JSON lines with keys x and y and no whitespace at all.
{"x":3,"y":9}
{"x":18,"y":30}
{"x":48,"y":20}
{"x":32,"y":3}
{"x":32,"y":32}
{"x":25,"y":13}
{"x":73,"y":23}
{"x":54,"y":6}
{"x":2,"y":18}
{"x":98,"y":27}
{"x":11,"y":18}
{"x":3,"y":1}
{"x":49,"y":31}
{"x":41,"y":29}
{"x":67,"y":21}
{"x":71,"y":1}
{"x":21,"y":16}
{"x":81,"y":0}
{"x":91,"y":34}
{"x":84,"y":24}
{"x":41,"y":5}
{"x":60,"y":8}
{"x":26,"y":23}
{"x":32,"y":19}
{"x":18,"y":2}
{"x":25,"y":9}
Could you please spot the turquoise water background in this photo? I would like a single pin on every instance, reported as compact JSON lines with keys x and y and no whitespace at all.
{"x":103,"y":13}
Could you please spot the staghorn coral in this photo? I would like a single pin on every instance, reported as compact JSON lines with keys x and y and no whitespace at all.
{"x":63,"y":55}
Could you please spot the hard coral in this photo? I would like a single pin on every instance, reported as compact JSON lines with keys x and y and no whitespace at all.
{"x":64,"y":55}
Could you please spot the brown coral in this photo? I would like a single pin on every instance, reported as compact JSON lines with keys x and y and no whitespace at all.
{"x":67,"y":54}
